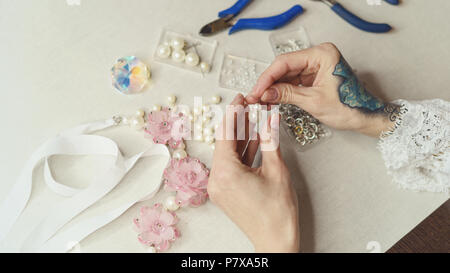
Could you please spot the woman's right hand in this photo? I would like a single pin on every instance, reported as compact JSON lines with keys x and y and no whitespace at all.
{"x":329,"y":90}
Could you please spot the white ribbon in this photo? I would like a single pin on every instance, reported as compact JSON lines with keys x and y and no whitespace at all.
{"x":75,"y":141}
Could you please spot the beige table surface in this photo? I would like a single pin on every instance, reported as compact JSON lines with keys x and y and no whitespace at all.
{"x":55,"y":75}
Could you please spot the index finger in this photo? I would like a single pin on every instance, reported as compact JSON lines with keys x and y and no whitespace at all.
{"x":282,"y":65}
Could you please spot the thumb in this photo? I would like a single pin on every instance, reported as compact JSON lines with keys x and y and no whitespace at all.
{"x":286,"y":93}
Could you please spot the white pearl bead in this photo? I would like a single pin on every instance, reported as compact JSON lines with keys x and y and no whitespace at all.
{"x":191,"y":117}
{"x":205,"y":67}
{"x":156,"y":108}
{"x":140,"y":113}
{"x":216,"y":126}
{"x":212,"y":146}
{"x":170,"y":203}
{"x":192,"y":59}
{"x":208,"y":131}
{"x":199,"y":138}
{"x":206,"y":118}
{"x":197,"y":111}
{"x":163,"y":51}
{"x":216,"y":99}
{"x":178,"y":55}
{"x":206,"y":108}
{"x":137,"y":122}
{"x":199,"y":126}
{"x":177,"y":43}
{"x":151,"y":250}
{"x":179,"y":154}
{"x":209,"y":139}
{"x":171,"y":99}
{"x":125,"y":121}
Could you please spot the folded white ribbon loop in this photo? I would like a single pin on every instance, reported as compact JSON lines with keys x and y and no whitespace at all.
{"x":72,"y":142}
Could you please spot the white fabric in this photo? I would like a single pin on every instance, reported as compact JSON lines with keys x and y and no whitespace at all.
{"x":72,"y":142}
{"x":417,"y":151}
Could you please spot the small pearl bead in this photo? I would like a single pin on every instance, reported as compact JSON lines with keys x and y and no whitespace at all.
{"x":171,"y":99}
{"x":140,"y":113}
{"x":206,"y":118}
{"x":125,"y":121}
{"x":216,"y":99}
{"x":206,"y":108}
{"x":170,"y":203}
{"x":212,"y":146}
{"x":208,"y":131}
{"x":205,"y":67}
{"x":191,"y":117}
{"x":164,"y":51}
{"x":192,"y":59}
{"x":199,"y":138}
{"x":178,"y":55}
{"x":156,"y":108}
{"x":179,"y":154}
{"x":151,"y":250}
{"x":199,"y":126}
{"x":197,"y":111}
{"x":216,"y":126}
{"x":137,"y":122}
{"x":209,"y":139}
{"x":177,"y":43}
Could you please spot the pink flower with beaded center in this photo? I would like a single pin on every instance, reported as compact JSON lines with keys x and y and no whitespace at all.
{"x":156,"y":227}
{"x":189,"y":178}
{"x":166,"y":127}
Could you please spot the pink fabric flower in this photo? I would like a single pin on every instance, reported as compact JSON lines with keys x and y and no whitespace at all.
{"x":156,"y":227}
{"x":189,"y":178}
{"x":166,"y":127}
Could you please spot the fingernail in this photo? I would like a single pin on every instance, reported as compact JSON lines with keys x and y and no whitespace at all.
{"x":271,"y":95}
{"x":237,"y":99}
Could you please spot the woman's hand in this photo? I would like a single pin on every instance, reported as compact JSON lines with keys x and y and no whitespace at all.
{"x":261,"y":201}
{"x":329,"y":91}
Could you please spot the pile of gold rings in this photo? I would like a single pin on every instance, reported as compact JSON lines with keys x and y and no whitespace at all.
{"x":302,"y":126}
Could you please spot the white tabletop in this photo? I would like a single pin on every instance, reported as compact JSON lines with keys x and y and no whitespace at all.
{"x":55,"y":75}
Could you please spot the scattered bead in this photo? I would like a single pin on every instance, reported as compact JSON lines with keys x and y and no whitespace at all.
{"x":206,"y":108}
{"x":192,"y":59}
{"x":156,"y":108}
{"x":205,"y":67}
{"x":170,"y":203}
{"x":171,"y":99}
{"x":178,"y":55}
{"x":179,"y":154}
{"x":140,"y":113}
{"x":216,"y":99}
{"x":209,"y":139}
{"x":164,"y":51}
{"x":208,"y":131}
{"x":177,"y":43}
{"x":137,"y":122}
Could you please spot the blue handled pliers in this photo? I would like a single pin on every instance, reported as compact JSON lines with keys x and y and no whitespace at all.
{"x":355,"y":20}
{"x":226,"y":20}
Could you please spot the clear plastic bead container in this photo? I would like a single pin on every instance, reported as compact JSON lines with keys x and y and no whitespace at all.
{"x":285,"y":41}
{"x":239,"y":73}
{"x":205,"y":49}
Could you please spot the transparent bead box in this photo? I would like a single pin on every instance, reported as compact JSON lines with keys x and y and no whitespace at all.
{"x":303,"y":129}
{"x":239,"y":73}
{"x":205,"y":49}
{"x":283,"y":41}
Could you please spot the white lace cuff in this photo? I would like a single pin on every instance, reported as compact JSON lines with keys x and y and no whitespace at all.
{"x":417,"y":151}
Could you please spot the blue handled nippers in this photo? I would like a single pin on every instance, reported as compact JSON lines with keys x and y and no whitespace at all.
{"x":227,"y":19}
{"x":355,"y":20}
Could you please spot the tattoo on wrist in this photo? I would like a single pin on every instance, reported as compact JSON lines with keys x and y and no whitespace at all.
{"x":353,"y":93}
{"x":393,"y":111}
